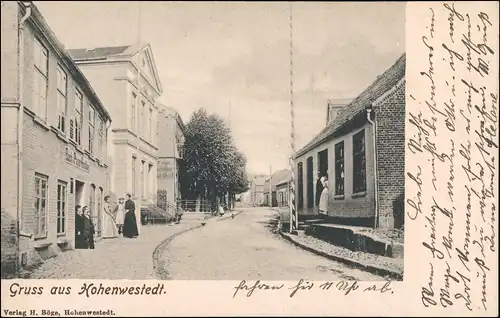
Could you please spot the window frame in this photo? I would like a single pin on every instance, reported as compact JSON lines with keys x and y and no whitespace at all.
{"x":134,"y":181}
{"x":133,"y":123}
{"x":62,"y":199}
{"x":62,"y":95}
{"x":78,"y":124}
{"x":150,"y":125}
{"x":38,"y":199}
{"x":142,"y":178}
{"x":359,"y":162}
{"x":40,"y":74}
{"x":300,"y":185}
{"x":92,"y":115}
{"x":339,"y":168}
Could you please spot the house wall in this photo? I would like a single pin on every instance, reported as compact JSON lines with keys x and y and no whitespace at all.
{"x":10,"y":15}
{"x":359,"y":209}
{"x":46,"y":151}
{"x":350,"y":206}
{"x":390,"y":122}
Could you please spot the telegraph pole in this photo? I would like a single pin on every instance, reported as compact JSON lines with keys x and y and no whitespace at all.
{"x":294,"y":220}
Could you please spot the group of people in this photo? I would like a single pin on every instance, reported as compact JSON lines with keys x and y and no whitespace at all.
{"x":322,"y":194}
{"x":116,"y":220}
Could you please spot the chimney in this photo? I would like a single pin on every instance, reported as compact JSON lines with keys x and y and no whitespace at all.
{"x":333,"y":109}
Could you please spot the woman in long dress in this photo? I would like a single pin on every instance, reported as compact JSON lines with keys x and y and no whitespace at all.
{"x":130,"y":222}
{"x":323,"y":201}
{"x":109,"y":229}
{"x":120,"y":215}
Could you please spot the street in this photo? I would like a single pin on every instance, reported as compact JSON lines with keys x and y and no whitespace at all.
{"x":246,"y":248}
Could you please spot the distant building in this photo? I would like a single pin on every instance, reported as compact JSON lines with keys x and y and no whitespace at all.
{"x":367,"y":138}
{"x":56,"y":125}
{"x":279,"y":180}
{"x":257,"y":190}
{"x":170,"y":155}
{"x":132,"y":102}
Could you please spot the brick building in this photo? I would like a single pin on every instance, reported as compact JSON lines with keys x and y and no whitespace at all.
{"x":126,"y":78}
{"x":55,"y":124}
{"x":170,"y":158}
{"x":361,"y":150}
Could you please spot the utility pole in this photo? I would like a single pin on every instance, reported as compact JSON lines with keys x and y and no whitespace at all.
{"x":294,"y":219}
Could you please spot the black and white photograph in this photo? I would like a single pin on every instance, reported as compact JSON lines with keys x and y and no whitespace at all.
{"x":203,"y":140}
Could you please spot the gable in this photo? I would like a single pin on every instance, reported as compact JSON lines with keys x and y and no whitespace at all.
{"x":145,"y":61}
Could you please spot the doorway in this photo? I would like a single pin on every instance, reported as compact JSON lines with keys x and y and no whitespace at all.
{"x":323,"y":163}
{"x":79,"y":186}
{"x":310,"y":183}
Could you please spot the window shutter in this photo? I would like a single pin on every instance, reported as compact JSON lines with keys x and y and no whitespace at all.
{"x":71,"y":130}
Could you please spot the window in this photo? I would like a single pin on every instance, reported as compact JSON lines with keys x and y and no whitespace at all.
{"x":150,"y":179}
{"x":141,"y":119}
{"x":41,"y":194}
{"x":40,"y":80}
{"x":142,"y":180}
{"x":134,"y":162}
{"x":91,"y":128}
{"x":61,"y":207}
{"x":339,"y":168}
{"x":92,"y":204}
{"x":300,"y":186}
{"x":62,"y":89}
{"x":359,"y":162}
{"x":310,"y":183}
{"x":100,"y":137}
{"x":150,"y":125}
{"x":133,"y":113}
{"x":78,"y":122}
{"x":99,"y":211}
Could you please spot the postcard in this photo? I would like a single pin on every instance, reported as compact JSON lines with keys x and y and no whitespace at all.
{"x":249,"y":158}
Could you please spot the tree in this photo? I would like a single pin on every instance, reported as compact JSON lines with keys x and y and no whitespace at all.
{"x":213,"y":164}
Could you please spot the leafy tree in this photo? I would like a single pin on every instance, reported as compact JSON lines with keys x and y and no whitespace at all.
{"x":213,"y":164}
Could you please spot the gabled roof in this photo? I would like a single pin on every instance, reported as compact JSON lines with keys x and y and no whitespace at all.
{"x":117,"y":53}
{"x":259,"y":180}
{"x":382,"y":84}
{"x":162,"y":109}
{"x":279,"y":177}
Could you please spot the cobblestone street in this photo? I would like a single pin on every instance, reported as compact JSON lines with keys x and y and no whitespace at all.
{"x":246,"y":248}
{"x":119,"y":258}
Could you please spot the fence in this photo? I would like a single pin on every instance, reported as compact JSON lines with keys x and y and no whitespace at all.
{"x":162,"y":211}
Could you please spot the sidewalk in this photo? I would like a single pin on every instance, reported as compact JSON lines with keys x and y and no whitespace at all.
{"x":119,"y":258}
{"x":389,"y":267}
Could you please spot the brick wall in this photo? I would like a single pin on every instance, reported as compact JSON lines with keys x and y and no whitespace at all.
{"x":350,"y":206}
{"x":390,"y":121}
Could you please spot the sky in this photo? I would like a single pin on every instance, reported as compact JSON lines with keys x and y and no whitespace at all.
{"x":233,"y":58}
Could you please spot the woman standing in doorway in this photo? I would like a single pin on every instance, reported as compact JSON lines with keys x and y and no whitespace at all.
{"x":88,"y":228}
{"x":109,"y":229}
{"x":323,"y":201}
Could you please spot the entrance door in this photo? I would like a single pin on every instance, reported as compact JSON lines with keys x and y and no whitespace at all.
{"x":79,"y":193}
{"x":323,"y":163}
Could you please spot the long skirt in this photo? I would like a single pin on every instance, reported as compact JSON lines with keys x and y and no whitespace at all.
{"x":109,"y":229}
{"x":130,"y":225}
{"x":80,"y":242}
